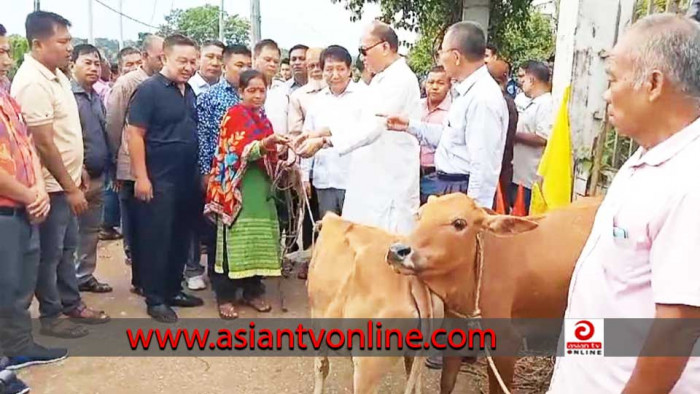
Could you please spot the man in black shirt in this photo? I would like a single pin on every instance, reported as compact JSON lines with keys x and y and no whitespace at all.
{"x":163,"y":146}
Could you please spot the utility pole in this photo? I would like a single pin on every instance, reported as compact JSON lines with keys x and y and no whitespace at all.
{"x":221,"y":22}
{"x":37,"y":5}
{"x":254,"y":22}
{"x":121,"y":27}
{"x":91,"y":38}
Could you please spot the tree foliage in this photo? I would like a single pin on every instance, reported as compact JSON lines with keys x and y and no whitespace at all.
{"x":18,"y":47}
{"x":510,"y":25}
{"x":202,"y":23}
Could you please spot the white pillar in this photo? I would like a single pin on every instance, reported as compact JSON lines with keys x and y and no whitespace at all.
{"x":587,"y":31}
{"x":477,"y":11}
{"x":221,"y":22}
{"x":91,"y":38}
{"x":254,"y":22}
{"x":121,"y":27}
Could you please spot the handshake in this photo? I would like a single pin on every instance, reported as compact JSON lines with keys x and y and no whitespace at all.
{"x":306,"y":144}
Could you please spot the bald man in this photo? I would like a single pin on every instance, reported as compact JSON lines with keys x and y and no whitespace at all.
{"x":500,"y":71}
{"x":301,"y":99}
{"x":384,"y":165}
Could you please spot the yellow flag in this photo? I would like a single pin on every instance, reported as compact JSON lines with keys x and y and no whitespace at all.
{"x":556,"y":165}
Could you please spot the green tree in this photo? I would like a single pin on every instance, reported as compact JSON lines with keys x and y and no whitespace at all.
{"x":18,"y":47}
{"x":202,"y":23}
{"x":534,"y":41}
{"x":430,"y":18}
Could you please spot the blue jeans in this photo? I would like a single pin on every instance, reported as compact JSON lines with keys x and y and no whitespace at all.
{"x":111,"y":215}
{"x":57,"y":284}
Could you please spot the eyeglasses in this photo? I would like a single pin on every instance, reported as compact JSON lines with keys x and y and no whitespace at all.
{"x":363,"y":51}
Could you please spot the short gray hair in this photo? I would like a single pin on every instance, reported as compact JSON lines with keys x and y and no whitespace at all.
{"x":469,"y":39}
{"x":669,"y":43}
{"x":149,"y":41}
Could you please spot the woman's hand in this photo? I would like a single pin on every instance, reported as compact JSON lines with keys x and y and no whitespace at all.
{"x":271,"y":141}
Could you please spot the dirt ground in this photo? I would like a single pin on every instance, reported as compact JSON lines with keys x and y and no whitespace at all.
{"x":200,"y":375}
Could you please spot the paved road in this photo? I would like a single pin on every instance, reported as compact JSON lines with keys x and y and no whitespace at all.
{"x":107,"y":375}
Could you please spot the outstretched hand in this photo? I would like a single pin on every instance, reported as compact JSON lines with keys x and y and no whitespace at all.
{"x":310,"y":147}
{"x":396,"y":123}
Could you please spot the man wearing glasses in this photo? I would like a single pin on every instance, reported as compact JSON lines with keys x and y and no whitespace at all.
{"x":384,"y":165}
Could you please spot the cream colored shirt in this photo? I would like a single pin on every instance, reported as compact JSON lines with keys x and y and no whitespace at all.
{"x":46,"y":98}
{"x":299,"y":103}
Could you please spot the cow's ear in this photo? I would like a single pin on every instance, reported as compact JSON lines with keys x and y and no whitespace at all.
{"x":508,"y":225}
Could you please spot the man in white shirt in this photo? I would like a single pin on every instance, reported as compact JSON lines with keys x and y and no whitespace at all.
{"x":640,"y":260}
{"x":211,"y":61}
{"x":339,"y":103}
{"x":470,"y":144}
{"x":534,"y":129}
{"x":301,"y":99}
{"x":266,"y":59}
{"x":383,"y":183}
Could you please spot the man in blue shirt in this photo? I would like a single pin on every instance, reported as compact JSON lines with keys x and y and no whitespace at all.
{"x":211,"y":108}
{"x":163,"y":147}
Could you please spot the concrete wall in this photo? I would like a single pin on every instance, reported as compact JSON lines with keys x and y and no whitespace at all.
{"x":476,"y":11}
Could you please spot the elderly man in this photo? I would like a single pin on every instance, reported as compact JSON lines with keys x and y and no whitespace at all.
{"x":470,"y":145}
{"x":117,"y":107}
{"x":302,"y":98}
{"x":435,"y":107}
{"x":128,"y":59}
{"x":385,"y":165}
{"x":210,"y":62}
{"x":640,"y":260}
{"x":534,"y":129}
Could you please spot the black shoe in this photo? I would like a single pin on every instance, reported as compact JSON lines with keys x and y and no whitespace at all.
{"x":10,"y":384}
{"x":109,"y":234}
{"x":162,"y":313}
{"x":434,"y":362}
{"x":36,"y":355}
{"x":185,"y":300}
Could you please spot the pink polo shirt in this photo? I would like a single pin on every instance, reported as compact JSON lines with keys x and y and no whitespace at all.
{"x":643,"y":250}
{"x":436,"y":116}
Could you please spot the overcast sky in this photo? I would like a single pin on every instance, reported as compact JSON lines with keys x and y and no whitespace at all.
{"x":312,"y":22}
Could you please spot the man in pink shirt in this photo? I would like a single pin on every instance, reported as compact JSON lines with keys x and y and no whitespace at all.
{"x":641,"y":259}
{"x":434,"y":108}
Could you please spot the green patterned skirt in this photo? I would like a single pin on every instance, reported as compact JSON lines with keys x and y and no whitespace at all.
{"x":251,"y":246}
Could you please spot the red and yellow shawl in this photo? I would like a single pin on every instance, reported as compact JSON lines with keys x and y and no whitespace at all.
{"x":241,"y":128}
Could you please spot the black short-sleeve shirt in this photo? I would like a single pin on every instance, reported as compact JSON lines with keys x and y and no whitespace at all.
{"x":170,"y":121}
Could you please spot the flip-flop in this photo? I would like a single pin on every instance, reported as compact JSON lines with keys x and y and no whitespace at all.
{"x":232,"y":311}
{"x":258,"y":304}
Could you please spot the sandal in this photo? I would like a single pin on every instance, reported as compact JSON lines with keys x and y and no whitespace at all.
{"x":258,"y":304}
{"x":94,"y":286}
{"x":227,"y":311}
{"x":85,"y":315}
{"x":62,"y":328}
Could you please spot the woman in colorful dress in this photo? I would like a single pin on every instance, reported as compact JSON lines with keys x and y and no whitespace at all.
{"x":240,"y":196}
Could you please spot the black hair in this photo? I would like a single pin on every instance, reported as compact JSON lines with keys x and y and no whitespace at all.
{"x":236,"y":50}
{"x":297,"y":47}
{"x":285,"y":61}
{"x":469,"y":39}
{"x":42,"y":24}
{"x":114,"y":68}
{"x":214,"y":43}
{"x":337,"y":53}
{"x":178,"y":39}
{"x":126,"y":52}
{"x":386,"y":34}
{"x":249,"y":75}
{"x":3,"y":31}
{"x":539,"y":70}
{"x":492,"y":48}
{"x":266,"y":43}
{"x":359,"y":64}
{"x":85,"y":49}
{"x":437,"y":69}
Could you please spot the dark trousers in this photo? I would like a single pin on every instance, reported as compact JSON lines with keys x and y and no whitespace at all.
{"x":513,"y":194}
{"x":57,"y":284}
{"x":19,"y":266}
{"x":192,"y":266}
{"x":330,"y":200}
{"x":111,"y":216}
{"x":126,"y":203}
{"x":161,"y":231}
{"x":439,"y":184}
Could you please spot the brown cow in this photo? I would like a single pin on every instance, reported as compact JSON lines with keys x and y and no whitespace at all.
{"x":349,"y":278}
{"x":525,"y":275}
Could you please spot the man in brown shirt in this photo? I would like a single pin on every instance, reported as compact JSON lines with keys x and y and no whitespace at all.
{"x":117,"y":106}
